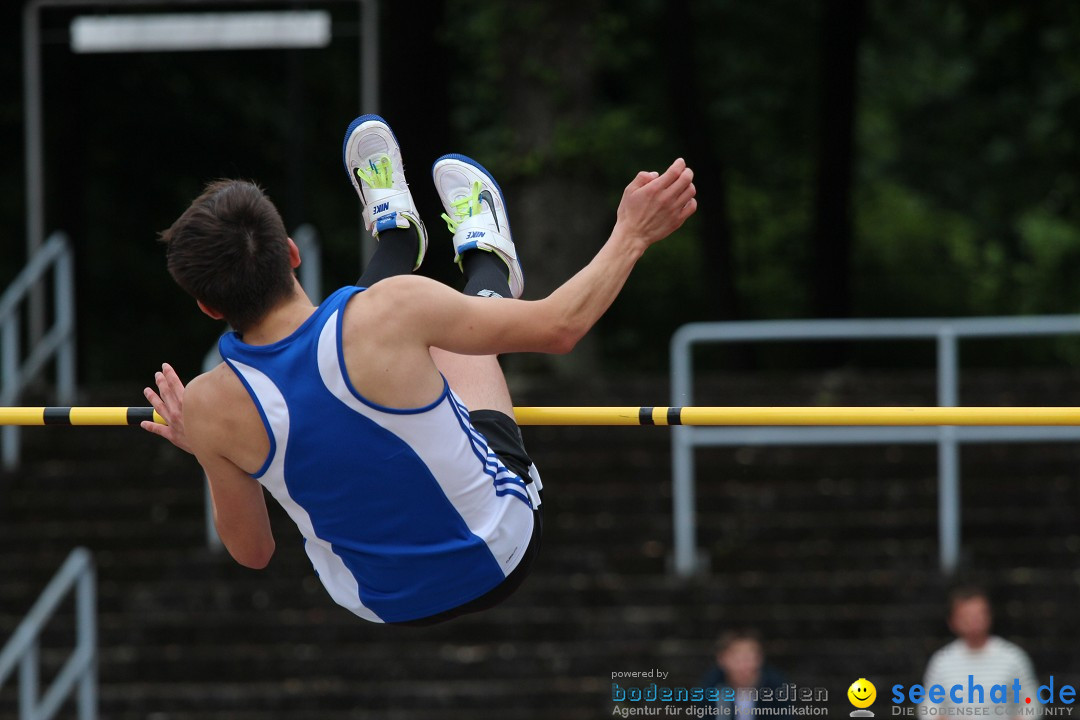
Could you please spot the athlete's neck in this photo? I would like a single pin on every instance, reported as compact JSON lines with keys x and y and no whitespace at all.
{"x":282,"y":321}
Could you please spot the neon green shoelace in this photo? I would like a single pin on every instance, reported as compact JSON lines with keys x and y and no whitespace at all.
{"x":464,"y":207}
{"x":379,"y":173}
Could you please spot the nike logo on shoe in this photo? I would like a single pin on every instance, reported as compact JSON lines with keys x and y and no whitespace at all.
{"x":360,"y":184}
{"x":382,"y":207}
{"x":485,"y":196}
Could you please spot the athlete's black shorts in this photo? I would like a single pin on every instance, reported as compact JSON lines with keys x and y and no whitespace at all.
{"x":504,"y":439}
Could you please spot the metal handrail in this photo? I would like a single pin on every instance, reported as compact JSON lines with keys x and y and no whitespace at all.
{"x":34,"y":112}
{"x":58,"y":342}
{"x":945,"y":331}
{"x":22,"y":649}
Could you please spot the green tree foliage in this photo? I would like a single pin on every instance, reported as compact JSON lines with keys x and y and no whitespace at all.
{"x":967,"y":136}
{"x":969,"y":159}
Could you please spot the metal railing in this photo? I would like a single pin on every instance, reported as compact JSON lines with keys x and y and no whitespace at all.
{"x":306,"y":238}
{"x":58,"y":342}
{"x":945,"y":331}
{"x":34,"y":105}
{"x":80,"y":670}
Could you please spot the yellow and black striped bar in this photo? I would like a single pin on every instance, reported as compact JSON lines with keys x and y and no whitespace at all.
{"x":798,"y":416}
{"x":645,"y":415}
{"x":28,"y":416}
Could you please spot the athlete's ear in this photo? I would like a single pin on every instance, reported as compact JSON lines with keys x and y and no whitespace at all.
{"x":294,"y":254}
{"x":210,"y":311}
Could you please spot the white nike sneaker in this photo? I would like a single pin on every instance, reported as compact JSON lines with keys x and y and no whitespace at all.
{"x":373,"y":161}
{"x":476,"y":213}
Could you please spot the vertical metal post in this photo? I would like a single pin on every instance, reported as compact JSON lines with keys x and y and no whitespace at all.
{"x":23,"y":649}
{"x":85,"y":607}
{"x":307,"y":240}
{"x":213,"y":540}
{"x":34,"y":157}
{"x":369,"y":55}
{"x":684,"y":511}
{"x":64,"y":292}
{"x":948,"y":455}
{"x":683,"y":503}
{"x":369,"y":93}
{"x":28,"y":682}
{"x":9,"y":372}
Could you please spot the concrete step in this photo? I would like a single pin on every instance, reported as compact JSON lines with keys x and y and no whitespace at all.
{"x":832,"y":552}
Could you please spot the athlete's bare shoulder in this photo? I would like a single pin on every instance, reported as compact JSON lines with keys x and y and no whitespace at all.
{"x":391,"y":309}
{"x":374,"y":320}
{"x":211,"y":402}
{"x":385,"y":356}
{"x":222,"y":418}
{"x":214,"y":389}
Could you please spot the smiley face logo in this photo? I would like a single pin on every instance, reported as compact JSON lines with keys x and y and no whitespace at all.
{"x":862,"y":693}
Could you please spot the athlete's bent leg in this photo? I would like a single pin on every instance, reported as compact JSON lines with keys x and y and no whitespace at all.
{"x":477,"y":379}
{"x":373,"y":162}
{"x":485,"y":250}
{"x":394,"y":255}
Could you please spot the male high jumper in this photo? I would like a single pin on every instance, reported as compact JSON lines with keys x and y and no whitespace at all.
{"x":380,"y":420}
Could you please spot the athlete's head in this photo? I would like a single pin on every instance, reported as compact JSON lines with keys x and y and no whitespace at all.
{"x":970,"y":617}
{"x":230,"y":251}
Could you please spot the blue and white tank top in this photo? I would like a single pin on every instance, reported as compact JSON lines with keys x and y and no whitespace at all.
{"x":405,"y":513}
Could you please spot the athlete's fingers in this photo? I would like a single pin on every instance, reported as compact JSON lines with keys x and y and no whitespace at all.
{"x":155,"y":428}
{"x":158,"y":404}
{"x":174,"y":431}
{"x":689,"y":192}
{"x":687,"y":210}
{"x":670,"y":175}
{"x":173,"y":387}
{"x":684,"y":180}
{"x":633,"y":185}
{"x":162,"y":389}
{"x":640,"y":180}
{"x":171,"y":390}
{"x":162,"y":386}
{"x":153,"y":397}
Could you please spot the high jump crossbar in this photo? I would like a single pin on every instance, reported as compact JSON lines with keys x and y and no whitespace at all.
{"x":645,"y":415}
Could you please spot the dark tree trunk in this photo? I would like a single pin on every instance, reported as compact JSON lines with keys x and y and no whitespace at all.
{"x":294,"y":211}
{"x":688,"y":101}
{"x":414,"y":89}
{"x":539,"y":107}
{"x":842,"y":22}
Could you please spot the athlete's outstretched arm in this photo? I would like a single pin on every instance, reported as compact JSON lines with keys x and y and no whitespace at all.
{"x":652,"y":207}
{"x":239,"y":504}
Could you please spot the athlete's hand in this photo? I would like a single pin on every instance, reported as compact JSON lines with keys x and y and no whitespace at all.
{"x":654,"y":206}
{"x":169,"y":403}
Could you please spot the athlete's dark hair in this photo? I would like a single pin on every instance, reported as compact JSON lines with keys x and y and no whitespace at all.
{"x":229,"y":250}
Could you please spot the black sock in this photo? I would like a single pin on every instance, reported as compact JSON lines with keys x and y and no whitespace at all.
{"x":485,"y":274}
{"x":395,"y":255}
